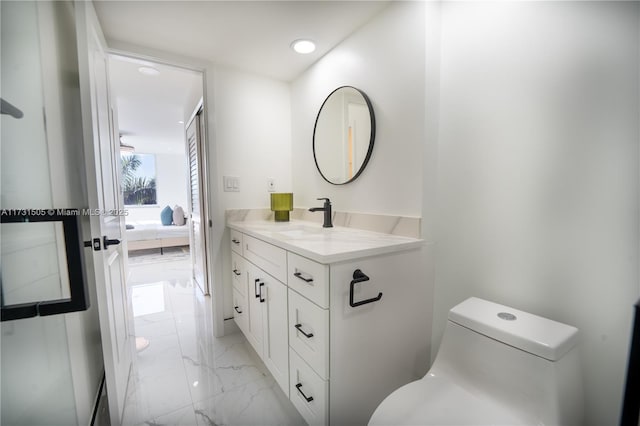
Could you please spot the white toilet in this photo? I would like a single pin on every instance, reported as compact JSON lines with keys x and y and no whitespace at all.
{"x":495,"y":366}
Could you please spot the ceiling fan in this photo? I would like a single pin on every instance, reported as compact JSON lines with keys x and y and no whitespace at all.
{"x":123,"y":146}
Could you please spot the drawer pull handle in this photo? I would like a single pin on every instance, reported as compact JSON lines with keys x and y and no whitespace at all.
{"x":358,"y":277}
{"x":299,"y":328}
{"x":238,"y":273}
{"x":234,"y":241}
{"x":308,"y":398}
{"x":261,"y":299}
{"x":299,"y":275}
{"x":237,"y":310}
{"x":255,"y":288}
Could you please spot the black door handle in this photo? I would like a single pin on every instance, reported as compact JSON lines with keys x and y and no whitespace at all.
{"x":299,"y":328}
{"x":261,"y":299}
{"x":237,"y":310}
{"x":308,"y":398}
{"x":255,"y":288}
{"x":299,"y":275}
{"x":106,"y":242}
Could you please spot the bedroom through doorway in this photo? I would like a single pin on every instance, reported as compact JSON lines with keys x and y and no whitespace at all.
{"x":153,"y":104}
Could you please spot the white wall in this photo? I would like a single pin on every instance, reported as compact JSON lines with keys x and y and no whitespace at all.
{"x":538,"y":172}
{"x":385,"y":59}
{"x":249,"y":126}
{"x":253,"y":135}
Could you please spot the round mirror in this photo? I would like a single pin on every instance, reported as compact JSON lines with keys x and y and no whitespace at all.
{"x":343,"y":135}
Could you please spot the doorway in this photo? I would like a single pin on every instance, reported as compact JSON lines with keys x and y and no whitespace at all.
{"x":155,"y":103}
{"x":157,"y":110}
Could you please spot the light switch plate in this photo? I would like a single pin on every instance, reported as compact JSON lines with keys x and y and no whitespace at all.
{"x":231,"y":183}
{"x":271,"y":184}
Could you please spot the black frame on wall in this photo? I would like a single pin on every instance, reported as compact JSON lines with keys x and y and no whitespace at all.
{"x":74,"y":246}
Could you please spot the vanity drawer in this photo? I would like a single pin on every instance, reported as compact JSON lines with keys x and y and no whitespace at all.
{"x":239,"y":273}
{"x":236,"y":241}
{"x":308,"y":392}
{"x":309,"y":278}
{"x":310,"y":339}
{"x":268,"y":257}
{"x":240,"y":311}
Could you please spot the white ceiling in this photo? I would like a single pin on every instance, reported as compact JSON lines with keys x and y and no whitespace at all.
{"x":252,"y":36}
{"x":150,"y":107}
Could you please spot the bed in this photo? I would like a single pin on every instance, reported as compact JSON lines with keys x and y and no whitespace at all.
{"x":151,"y":234}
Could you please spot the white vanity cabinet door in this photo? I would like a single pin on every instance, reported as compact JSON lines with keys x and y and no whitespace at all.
{"x":267,"y":322}
{"x":254,"y":332}
{"x":276,"y":339}
{"x":309,"y":332}
{"x":236,"y":241}
{"x":309,"y":278}
{"x":240,"y":308}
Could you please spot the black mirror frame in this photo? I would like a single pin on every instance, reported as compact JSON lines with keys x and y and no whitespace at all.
{"x":371,"y":139}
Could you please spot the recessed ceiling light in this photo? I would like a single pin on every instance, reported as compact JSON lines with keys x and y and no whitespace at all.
{"x":303,"y":46}
{"x":180,"y":122}
{"x":148,"y":71}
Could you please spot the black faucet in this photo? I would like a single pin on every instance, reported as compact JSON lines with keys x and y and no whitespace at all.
{"x":326,"y":208}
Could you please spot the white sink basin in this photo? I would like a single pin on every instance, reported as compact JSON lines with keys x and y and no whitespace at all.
{"x":302,"y":232}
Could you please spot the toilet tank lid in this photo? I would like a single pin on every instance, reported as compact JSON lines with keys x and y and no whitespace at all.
{"x":537,"y":335}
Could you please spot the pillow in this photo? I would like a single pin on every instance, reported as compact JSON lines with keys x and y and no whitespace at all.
{"x":178,"y":216}
{"x":166,"y":216}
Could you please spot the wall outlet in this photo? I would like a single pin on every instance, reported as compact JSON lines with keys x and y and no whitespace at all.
{"x":271,"y":184}
{"x":231,"y":183}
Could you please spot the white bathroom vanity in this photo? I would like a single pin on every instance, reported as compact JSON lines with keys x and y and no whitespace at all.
{"x":336,"y":314}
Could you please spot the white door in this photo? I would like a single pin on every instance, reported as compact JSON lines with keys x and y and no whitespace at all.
{"x":105,"y":201}
{"x":196,"y":207}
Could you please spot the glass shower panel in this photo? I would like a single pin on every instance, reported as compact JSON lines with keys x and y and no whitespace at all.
{"x":37,"y":385}
{"x":35,"y":369}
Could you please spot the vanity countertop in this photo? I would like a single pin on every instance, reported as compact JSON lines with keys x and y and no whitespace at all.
{"x":325,"y":245}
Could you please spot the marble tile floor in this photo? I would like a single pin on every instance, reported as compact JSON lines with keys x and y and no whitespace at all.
{"x":185,"y":376}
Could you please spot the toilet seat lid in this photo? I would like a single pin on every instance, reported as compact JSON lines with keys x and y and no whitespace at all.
{"x":438,"y":401}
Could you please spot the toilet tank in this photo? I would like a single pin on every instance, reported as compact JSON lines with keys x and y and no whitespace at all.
{"x":528,"y":364}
